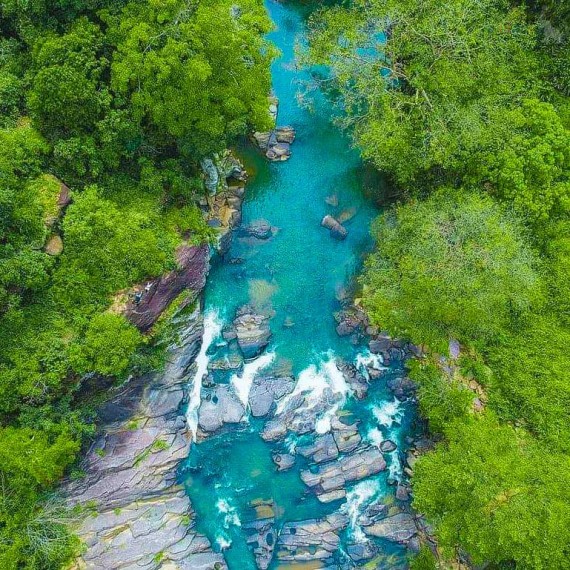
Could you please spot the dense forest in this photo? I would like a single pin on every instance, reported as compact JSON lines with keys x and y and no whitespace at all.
{"x":465,"y":106}
{"x":107,"y":108}
{"x":108,"y":105}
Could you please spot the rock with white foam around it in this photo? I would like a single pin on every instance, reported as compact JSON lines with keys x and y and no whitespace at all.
{"x":253,"y":333}
{"x":333,"y":476}
{"x":337,"y":230}
{"x":265,"y":391}
{"x":220,"y":406}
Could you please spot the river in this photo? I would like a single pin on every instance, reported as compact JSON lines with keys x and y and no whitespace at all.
{"x":298,"y":277}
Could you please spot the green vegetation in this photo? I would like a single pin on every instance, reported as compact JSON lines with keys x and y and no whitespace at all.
{"x":114,"y":103}
{"x":465,"y":105}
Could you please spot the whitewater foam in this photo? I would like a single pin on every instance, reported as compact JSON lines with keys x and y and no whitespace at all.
{"x":242,"y":382}
{"x":388,"y":413}
{"x":359,"y":497}
{"x":212,"y":328}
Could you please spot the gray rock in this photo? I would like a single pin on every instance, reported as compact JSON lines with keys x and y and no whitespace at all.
{"x":284,"y":461}
{"x":311,"y":540}
{"x":402,"y":492}
{"x":354,"y":379}
{"x":323,"y":449}
{"x":346,"y":437}
{"x":362,"y":551}
{"x":335,"y":475}
{"x":401,"y":387}
{"x":387,"y":446}
{"x":337,"y":230}
{"x":219,"y":407}
{"x":253,"y":333}
{"x":397,"y":528}
{"x":285,"y":134}
{"x":267,"y":390}
{"x":261,"y":539}
{"x":260,"y":229}
{"x":211,"y":175}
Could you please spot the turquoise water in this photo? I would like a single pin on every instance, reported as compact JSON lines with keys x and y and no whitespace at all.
{"x":297,"y":275}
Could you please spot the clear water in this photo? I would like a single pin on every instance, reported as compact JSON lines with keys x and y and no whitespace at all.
{"x":298,"y":274}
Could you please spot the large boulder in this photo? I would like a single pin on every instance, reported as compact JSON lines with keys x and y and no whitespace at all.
{"x":253,"y":333}
{"x":267,"y":390}
{"x":322,"y":449}
{"x":220,"y":406}
{"x":397,"y":528}
{"x":337,"y":230}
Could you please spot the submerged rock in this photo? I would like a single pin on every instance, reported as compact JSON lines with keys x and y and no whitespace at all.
{"x":337,"y":230}
{"x":261,"y":538}
{"x":253,"y":333}
{"x":260,"y":229}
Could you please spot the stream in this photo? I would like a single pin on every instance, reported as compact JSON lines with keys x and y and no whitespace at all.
{"x":299,"y":277}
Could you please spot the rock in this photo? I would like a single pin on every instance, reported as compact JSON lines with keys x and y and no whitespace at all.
{"x":401,"y":387}
{"x":278,"y":152}
{"x":220,"y":407}
{"x":346,"y":215}
{"x":323,"y":449}
{"x":379,"y":345}
{"x":232,"y":361}
{"x":332,"y":200}
{"x":362,"y":551}
{"x":387,"y":446}
{"x":193,"y":263}
{"x":253,"y":333}
{"x":54,"y":245}
{"x":402,"y":492}
{"x":337,"y":230}
{"x":346,"y":437}
{"x":285,"y":134}
{"x":267,"y":390}
{"x":305,"y":541}
{"x":131,"y":473}
{"x":349,"y":321}
{"x":260,"y":229}
{"x":397,"y":528}
{"x":211,"y":175}
{"x":262,"y":140}
{"x":372,"y":513}
{"x":353,"y":378}
{"x":261,"y":537}
{"x":334,"y":475}
{"x":284,"y":461}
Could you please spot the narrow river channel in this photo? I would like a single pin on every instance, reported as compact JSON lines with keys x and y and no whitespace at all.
{"x":299,"y":277}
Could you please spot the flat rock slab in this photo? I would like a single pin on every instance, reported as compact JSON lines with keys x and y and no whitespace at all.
{"x":220,"y":406}
{"x":397,"y":528}
{"x":265,"y":391}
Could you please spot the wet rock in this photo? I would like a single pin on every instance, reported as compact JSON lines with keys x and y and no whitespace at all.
{"x":402,"y":492}
{"x":379,"y":344}
{"x":259,"y":229}
{"x":232,"y":361}
{"x":284,"y":461}
{"x":362,"y":551}
{"x":267,"y":390}
{"x":397,"y":528}
{"x":335,"y":475}
{"x":387,"y":446}
{"x":346,"y":215}
{"x":350,"y":321}
{"x":337,"y":230}
{"x":323,"y":449}
{"x":346,"y":437}
{"x":141,"y":510}
{"x":261,"y":538}
{"x":372,"y":513}
{"x":401,"y":387}
{"x":220,"y":406}
{"x":253,"y":333}
{"x":278,"y":152}
{"x":309,"y":540}
{"x":354,"y":379}
{"x":285,"y":134}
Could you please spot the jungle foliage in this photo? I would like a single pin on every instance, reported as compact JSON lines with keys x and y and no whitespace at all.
{"x":115,"y":102}
{"x":464,"y":105}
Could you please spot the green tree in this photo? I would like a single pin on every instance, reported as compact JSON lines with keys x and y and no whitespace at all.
{"x":453,"y":266}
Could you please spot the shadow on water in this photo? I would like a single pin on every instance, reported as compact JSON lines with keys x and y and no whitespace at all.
{"x":298,"y":274}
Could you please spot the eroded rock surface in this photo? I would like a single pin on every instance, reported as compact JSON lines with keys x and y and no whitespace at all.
{"x":252,"y":330}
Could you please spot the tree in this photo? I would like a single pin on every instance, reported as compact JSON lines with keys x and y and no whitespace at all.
{"x":453,"y":266}
{"x":488,"y":493}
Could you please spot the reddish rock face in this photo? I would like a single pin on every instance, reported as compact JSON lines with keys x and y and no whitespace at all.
{"x":191,"y":275}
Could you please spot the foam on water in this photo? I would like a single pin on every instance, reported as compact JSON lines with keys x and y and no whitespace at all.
{"x":366,"y":359}
{"x":212,"y":328}
{"x":242,"y":382}
{"x":375,"y":437}
{"x":395,"y":467}
{"x":231,"y":517}
{"x":388,"y":413}
{"x":359,"y":497}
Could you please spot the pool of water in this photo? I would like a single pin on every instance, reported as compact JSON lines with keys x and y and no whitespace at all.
{"x":298,"y":276}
